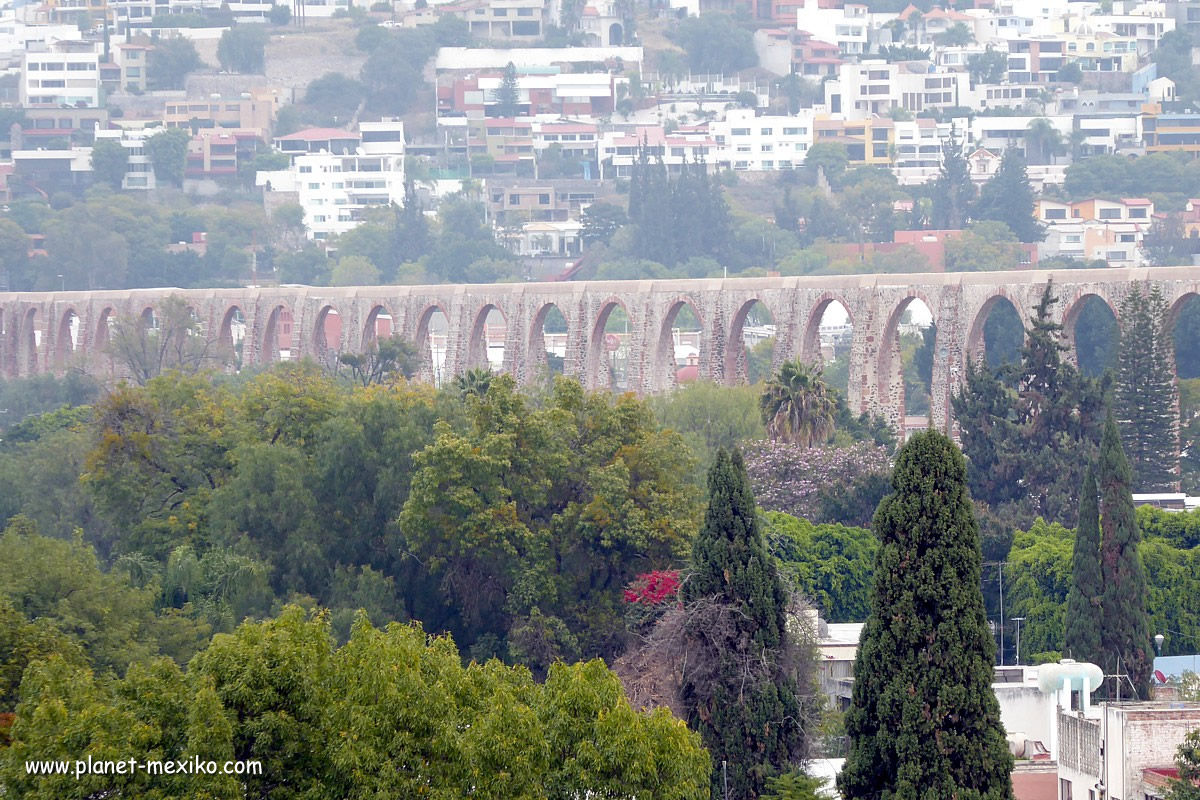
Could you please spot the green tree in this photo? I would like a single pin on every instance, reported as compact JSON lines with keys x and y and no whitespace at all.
{"x":110,"y":159}
{"x":1126,"y":632}
{"x":1187,"y":759}
{"x":279,"y":14}
{"x":1070,"y":72}
{"x":1145,"y":392}
{"x":600,"y":221}
{"x":1084,"y":621}
{"x":957,"y":35}
{"x":830,"y":157}
{"x":988,"y":66}
{"x":335,"y":96}
{"x":832,"y":564}
{"x":1008,"y":197}
{"x":242,"y":49}
{"x":410,"y":233}
{"x":953,"y":190}
{"x":168,"y":154}
{"x":170,"y":62}
{"x":923,"y":719}
{"x":797,"y":406}
{"x":1174,"y":59}
{"x":748,"y":721}
{"x":983,"y":246}
{"x":354,"y":271}
{"x":508,"y":94}
{"x":715,"y":43}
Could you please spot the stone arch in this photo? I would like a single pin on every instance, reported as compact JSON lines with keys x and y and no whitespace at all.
{"x":328,"y":334}
{"x":379,"y":317}
{"x":666,"y":369}
{"x":149,"y":319}
{"x":279,"y":325}
{"x":1071,"y":316}
{"x":734,"y":368}
{"x":976,"y":348}
{"x":537,"y":340}
{"x":27,"y":354}
{"x":66,"y":341}
{"x":616,"y":35}
{"x":423,"y":340}
{"x":598,"y":359}
{"x":230,"y":335}
{"x":810,"y":343}
{"x":889,"y":374}
{"x":477,"y":340}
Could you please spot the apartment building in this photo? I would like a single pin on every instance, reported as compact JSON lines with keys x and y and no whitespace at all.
{"x":539,"y":91}
{"x":747,"y":142}
{"x":513,"y":20}
{"x":139,"y":173}
{"x":874,"y":87}
{"x":602,"y":25}
{"x":132,"y":60}
{"x":334,"y":141}
{"x":336,"y":187}
{"x":253,"y":110}
{"x":619,"y":149}
{"x":867,"y":141}
{"x":17,"y":36}
{"x":216,"y":153}
{"x":1111,"y":230}
{"x":58,"y":79}
{"x":1000,"y":133}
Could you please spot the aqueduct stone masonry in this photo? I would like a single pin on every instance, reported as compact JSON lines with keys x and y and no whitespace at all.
{"x":36,"y":329}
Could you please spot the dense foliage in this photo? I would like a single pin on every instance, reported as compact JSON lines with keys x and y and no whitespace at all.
{"x":392,"y":712}
{"x":832,"y":565}
{"x":1145,"y":401}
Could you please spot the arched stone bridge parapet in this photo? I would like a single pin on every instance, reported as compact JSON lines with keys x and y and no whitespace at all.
{"x":46,"y":332}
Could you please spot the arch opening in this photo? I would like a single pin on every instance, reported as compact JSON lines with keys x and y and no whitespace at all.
{"x":232,"y":336}
{"x":906,"y":357}
{"x":432,"y":344}
{"x":827,"y":340}
{"x":485,"y":347}
{"x":149,"y":319}
{"x":67,"y":340}
{"x":548,"y":342}
{"x":677,"y":358}
{"x":327,"y":335}
{"x":379,"y":325}
{"x":1090,"y":327}
{"x":750,"y":351}
{"x":997,"y":333}
{"x":608,"y":348}
{"x":30,"y":340}
{"x":278,"y":335}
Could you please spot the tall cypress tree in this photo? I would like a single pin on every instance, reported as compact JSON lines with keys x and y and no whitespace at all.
{"x":1145,"y":392}
{"x":1126,"y":632}
{"x":1008,"y":197}
{"x":747,"y":710}
{"x":923,"y":721}
{"x":953,"y":190}
{"x":1084,"y":621}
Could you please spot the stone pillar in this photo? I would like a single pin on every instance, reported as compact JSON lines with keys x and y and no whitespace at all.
{"x":864,"y":357}
{"x":948,"y":349}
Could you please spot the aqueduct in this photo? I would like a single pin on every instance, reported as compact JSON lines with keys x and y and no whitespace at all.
{"x":42,"y":332}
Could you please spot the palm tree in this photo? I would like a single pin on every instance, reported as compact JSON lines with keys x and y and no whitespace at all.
{"x":1042,"y":133}
{"x":474,"y":381}
{"x":957,"y":35}
{"x":797,"y":405}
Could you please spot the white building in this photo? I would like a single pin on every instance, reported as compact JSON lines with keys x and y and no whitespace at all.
{"x":746,"y":142}
{"x":16,"y":36}
{"x":874,"y":87}
{"x":847,"y":27}
{"x":57,"y":79}
{"x":999,"y":133}
{"x":139,"y":173}
{"x":336,"y":189}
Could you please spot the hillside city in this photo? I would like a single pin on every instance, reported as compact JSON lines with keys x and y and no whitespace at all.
{"x":626,"y":399}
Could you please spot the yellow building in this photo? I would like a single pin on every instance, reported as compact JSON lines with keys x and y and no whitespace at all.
{"x":253,"y":110}
{"x":1172,"y":133}
{"x":868,"y":141}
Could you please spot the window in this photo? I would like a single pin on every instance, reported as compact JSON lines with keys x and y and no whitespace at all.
{"x":768,"y":165}
{"x":1137,"y":213}
{"x":741,"y":164}
{"x":133,"y":72}
{"x":1127,"y":237}
{"x":785,"y":165}
{"x":500,"y":12}
{"x":1055,"y":213}
{"x":744,"y":148}
{"x":1075,"y":213}
{"x":766,"y":148}
{"x":75,"y":67}
{"x":305,"y":170}
{"x":1115,"y":255}
{"x":1064,"y":789}
{"x":740,"y":132}
{"x":794,"y":131}
{"x":1110,"y":213}
{"x":766,"y":131}
{"x":314,"y":186}
{"x":524,"y":12}
{"x":1073,"y":238}
{"x":514,"y":199}
{"x":543,"y":199}
{"x":319,"y":218}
